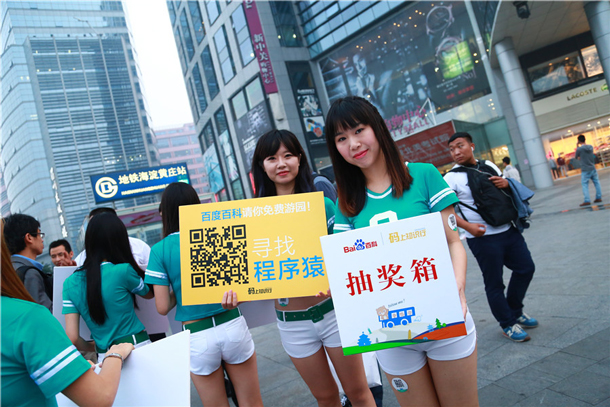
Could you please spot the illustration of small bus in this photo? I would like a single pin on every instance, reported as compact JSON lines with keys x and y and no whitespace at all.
{"x":401,"y":316}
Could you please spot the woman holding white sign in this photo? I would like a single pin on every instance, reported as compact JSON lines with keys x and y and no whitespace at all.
{"x":39,"y":361}
{"x":217,"y":335}
{"x":374,"y":186}
{"x":307,"y":325}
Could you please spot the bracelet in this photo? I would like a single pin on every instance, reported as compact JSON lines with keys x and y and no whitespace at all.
{"x":115,"y":355}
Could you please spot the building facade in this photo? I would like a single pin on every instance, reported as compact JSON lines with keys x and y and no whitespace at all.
{"x":430,"y":68}
{"x":71,"y":108}
{"x":180,"y":145}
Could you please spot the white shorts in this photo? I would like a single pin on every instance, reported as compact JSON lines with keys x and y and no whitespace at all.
{"x":230,"y":342}
{"x":409,"y":359}
{"x":302,"y":339}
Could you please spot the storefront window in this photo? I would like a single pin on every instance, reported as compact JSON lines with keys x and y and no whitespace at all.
{"x":591,"y":60}
{"x":556,"y":73}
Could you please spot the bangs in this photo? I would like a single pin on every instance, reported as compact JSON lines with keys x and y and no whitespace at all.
{"x":347,"y":114}
{"x":270,"y":143}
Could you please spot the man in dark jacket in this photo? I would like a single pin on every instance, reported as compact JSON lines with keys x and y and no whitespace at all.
{"x":25,"y":241}
{"x":585,"y":154}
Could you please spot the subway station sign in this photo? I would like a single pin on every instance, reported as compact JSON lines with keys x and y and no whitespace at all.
{"x":132,"y":183}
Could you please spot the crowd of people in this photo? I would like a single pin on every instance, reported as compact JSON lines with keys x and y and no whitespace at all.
{"x":41,"y":359}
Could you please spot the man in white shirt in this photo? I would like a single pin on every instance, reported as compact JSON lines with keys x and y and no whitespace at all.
{"x":139,"y":248}
{"x":509,"y":170}
{"x":493,"y":246}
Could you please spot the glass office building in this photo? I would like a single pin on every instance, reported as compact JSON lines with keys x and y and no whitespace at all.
{"x":431,"y":69}
{"x":71,"y":108}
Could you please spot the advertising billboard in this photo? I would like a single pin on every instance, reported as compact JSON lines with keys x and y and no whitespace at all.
{"x":249,"y":128}
{"x":423,"y":58}
{"x":137,"y":182}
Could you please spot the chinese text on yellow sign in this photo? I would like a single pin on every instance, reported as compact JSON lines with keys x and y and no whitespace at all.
{"x":261,"y":248}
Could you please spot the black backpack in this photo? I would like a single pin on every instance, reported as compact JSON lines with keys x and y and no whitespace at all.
{"x":495,"y":205}
{"x":46,"y":278}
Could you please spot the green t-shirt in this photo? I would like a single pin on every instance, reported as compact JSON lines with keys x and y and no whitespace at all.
{"x":38,"y":360}
{"x":428,"y":193}
{"x":329,"y":206}
{"x":164,"y":269}
{"x":119,"y":281}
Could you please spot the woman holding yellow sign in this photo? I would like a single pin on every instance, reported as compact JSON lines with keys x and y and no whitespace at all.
{"x":307,"y":325}
{"x":217,"y":334}
{"x":374,"y":186}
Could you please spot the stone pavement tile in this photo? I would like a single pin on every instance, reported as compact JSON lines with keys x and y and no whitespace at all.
{"x":586,"y":386}
{"x":550,"y":328}
{"x":564,"y":282}
{"x":595,"y":347}
{"x":272,"y":374}
{"x":494,"y":396}
{"x":562,"y":364}
{"x":482,"y":382}
{"x":528,"y":381}
{"x":602,"y":368}
{"x":509,"y":358}
{"x":580,"y":306}
{"x":294,"y":393}
{"x":549,"y":398}
{"x":605,"y":403}
{"x":584,"y":329}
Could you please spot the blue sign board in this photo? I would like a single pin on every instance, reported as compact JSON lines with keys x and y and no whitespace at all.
{"x":132,"y":183}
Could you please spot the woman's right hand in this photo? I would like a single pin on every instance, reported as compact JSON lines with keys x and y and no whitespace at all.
{"x":229,"y":300}
{"x":123,"y":349}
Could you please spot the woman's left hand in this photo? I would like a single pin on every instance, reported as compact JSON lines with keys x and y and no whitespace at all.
{"x":229,"y":300}
{"x":321,"y":294}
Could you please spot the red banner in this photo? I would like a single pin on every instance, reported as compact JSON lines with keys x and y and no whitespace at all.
{"x":260,"y":46}
{"x":428,"y":146}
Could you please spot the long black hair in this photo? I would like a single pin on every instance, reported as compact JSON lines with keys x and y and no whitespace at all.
{"x":175,"y":195}
{"x":106,"y":239}
{"x":347,"y":113}
{"x":267,"y":146}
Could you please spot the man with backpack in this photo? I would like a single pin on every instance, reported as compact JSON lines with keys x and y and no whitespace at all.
{"x":487,"y":212}
{"x":25,"y":241}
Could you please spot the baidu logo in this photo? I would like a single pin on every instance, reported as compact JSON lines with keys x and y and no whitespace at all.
{"x":360,"y":245}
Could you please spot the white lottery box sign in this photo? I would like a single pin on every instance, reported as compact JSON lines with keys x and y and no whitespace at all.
{"x":393,"y":285}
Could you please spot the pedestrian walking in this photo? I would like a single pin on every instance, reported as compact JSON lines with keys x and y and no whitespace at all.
{"x":494,"y":246}
{"x":217,"y":335}
{"x":374,"y":186}
{"x":101,"y":291}
{"x":279,"y":167}
{"x":584,"y":153}
{"x":509,"y":170}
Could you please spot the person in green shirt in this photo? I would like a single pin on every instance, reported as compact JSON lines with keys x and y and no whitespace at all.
{"x":102,"y":290}
{"x":374,"y":186}
{"x":217,"y":334}
{"x":280,"y":167}
{"x":37,"y":358}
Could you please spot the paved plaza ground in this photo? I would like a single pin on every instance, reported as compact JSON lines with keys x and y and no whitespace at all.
{"x":567,"y":362}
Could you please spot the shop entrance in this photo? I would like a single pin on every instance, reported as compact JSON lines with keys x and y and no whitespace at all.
{"x":560,"y":146}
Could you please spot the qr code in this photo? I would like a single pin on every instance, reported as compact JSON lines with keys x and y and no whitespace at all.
{"x":218,"y":256}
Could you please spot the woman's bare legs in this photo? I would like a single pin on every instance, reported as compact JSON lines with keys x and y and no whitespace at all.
{"x":350,"y":371}
{"x":316,"y":373}
{"x":211,"y":388}
{"x":244,"y":377}
{"x":456,"y":381}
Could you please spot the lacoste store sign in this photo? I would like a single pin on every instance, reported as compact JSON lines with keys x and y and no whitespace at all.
{"x":571,"y":97}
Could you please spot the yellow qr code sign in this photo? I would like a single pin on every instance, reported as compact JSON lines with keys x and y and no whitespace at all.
{"x":263,"y":248}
